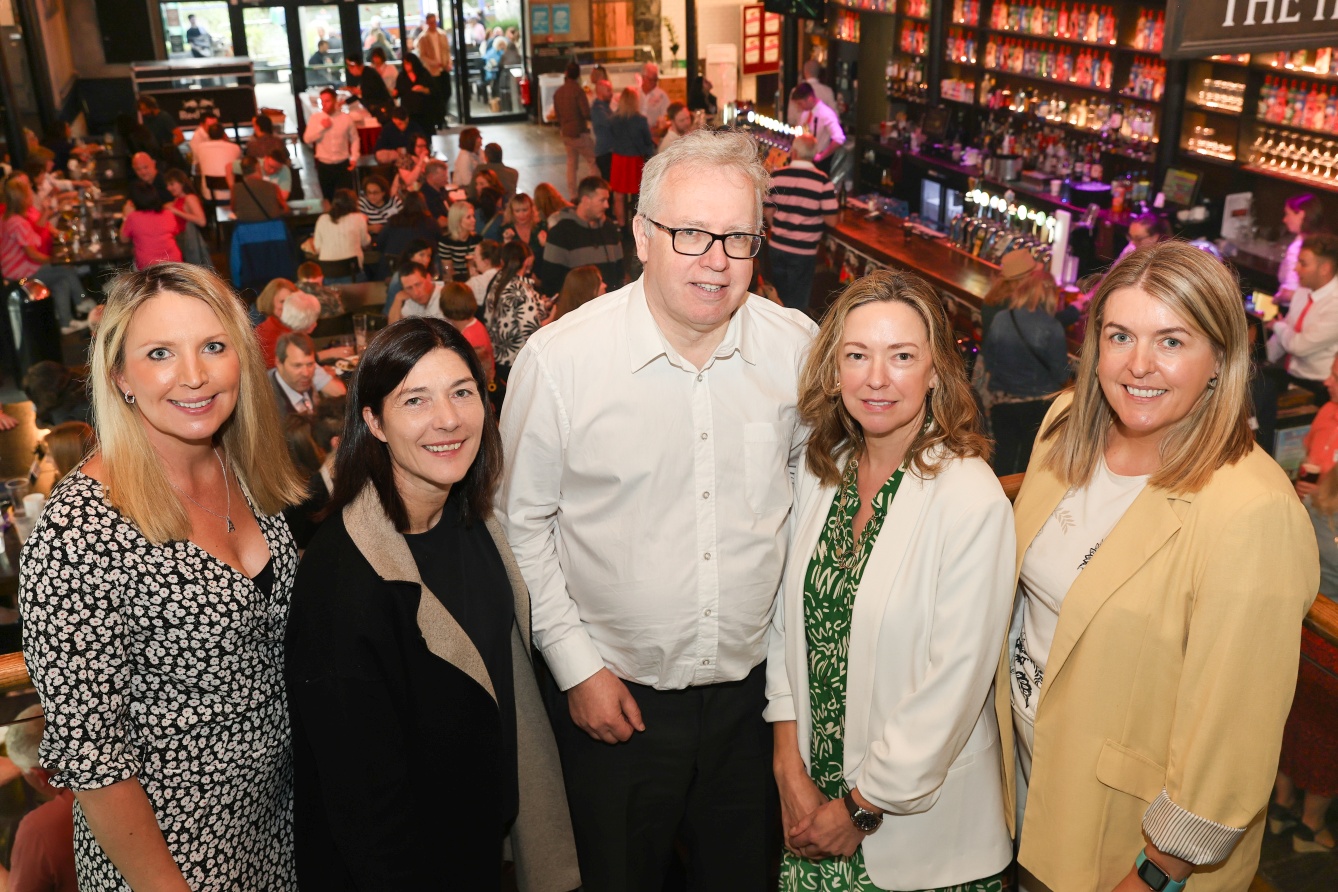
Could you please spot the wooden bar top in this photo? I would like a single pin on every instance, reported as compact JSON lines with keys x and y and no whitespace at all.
{"x":943,"y":266}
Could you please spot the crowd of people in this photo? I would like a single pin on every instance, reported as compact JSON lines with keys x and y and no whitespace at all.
{"x":709,"y":551}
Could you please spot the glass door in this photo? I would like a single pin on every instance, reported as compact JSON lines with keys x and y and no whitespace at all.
{"x":490,"y":57}
{"x":322,"y":45}
{"x":267,"y":44}
{"x":197,"y":29}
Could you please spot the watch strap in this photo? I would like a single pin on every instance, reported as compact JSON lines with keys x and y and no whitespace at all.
{"x":1157,"y":880}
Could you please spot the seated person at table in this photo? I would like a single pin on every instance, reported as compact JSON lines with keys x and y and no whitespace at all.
{"x":508,"y":176}
{"x":209,"y":117}
{"x":159,"y":123}
{"x":275,"y":168}
{"x":397,"y":138}
{"x":273,"y":303}
{"x":149,"y":228}
{"x":1305,"y":343}
{"x":311,"y":279}
{"x":67,"y":445}
{"x":43,"y":853}
{"x":458,"y":307}
{"x":436,"y":179}
{"x":263,"y":142}
{"x":254,"y":198}
{"x":409,"y":169}
{"x":376,"y":203}
{"x":421,"y":251}
{"x":20,"y":256}
{"x":417,"y":295}
{"x":341,"y":233}
{"x":458,"y":241}
{"x":297,"y":379}
{"x":214,"y":157}
{"x":487,"y":260}
{"x":146,"y":170}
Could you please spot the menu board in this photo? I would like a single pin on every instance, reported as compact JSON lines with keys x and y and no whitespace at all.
{"x":761,"y":40}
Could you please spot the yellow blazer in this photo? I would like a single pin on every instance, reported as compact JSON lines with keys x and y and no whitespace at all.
{"x":1172,"y":671}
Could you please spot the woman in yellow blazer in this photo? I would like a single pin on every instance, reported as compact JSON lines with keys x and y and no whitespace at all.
{"x":1165,"y":566}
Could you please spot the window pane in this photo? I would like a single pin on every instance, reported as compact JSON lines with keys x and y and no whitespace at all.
{"x":198,"y":30}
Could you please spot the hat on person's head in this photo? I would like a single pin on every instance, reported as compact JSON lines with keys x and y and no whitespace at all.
{"x":1017,"y":263}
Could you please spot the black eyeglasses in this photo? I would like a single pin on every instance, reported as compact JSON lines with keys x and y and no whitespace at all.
{"x":696,"y":242}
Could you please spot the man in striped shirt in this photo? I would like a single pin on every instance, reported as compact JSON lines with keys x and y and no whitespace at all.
{"x":802,"y":206}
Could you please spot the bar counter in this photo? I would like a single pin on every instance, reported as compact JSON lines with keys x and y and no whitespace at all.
{"x":957,"y":275}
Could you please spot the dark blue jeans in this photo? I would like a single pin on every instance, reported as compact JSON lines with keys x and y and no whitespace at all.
{"x":792,"y":274}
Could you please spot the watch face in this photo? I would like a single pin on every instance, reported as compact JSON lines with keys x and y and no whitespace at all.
{"x":1154,"y":876}
{"x":866,"y":820}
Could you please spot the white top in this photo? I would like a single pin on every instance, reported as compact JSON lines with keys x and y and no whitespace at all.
{"x":794,"y":114}
{"x":479,"y":284}
{"x":411,"y":308}
{"x":654,"y":105}
{"x":339,"y":240}
{"x":465,"y":163}
{"x":1066,"y":542}
{"x":213,"y":157}
{"x":337,"y":144}
{"x":825,"y":125}
{"x":1313,"y":348}
{"x":646,"y":501}
{"x":1287,"y":266}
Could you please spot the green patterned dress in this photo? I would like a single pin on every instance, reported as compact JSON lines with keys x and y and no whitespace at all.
{"x":829,"y":597}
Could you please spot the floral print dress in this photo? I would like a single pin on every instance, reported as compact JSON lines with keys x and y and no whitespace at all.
{"x":830,"y":585}
{"x":160,"y":662}
{"x":511,"y":314}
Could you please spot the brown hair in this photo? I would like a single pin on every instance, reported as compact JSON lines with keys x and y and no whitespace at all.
{"x":67,"y":444}
{"x":955,"y":428}
{"x":457,"y":301}
{"x":580,"y":287}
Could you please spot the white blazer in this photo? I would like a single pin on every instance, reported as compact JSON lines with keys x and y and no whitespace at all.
{"x":930,"y":616}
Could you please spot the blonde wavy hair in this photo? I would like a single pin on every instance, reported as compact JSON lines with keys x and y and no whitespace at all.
{"x":1200,"y":290}
{"x":132,"y":471}
{"x":955,"y":428}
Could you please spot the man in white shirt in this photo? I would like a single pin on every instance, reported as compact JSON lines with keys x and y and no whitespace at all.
{"x":435,"y":52}
{"x":333,"y":137}
{"x":201,"y":133}
{"x":821,"y":120}
{"x":297,"y":379}
{"x":812,"y":77}
{"x":680,"y":124}
{"x":654,"y":101}
{"x":417,"y":295}
{"x":1306,"y":341}
{"x":651,"y":437}
{"x":214,"y":158}
{"x":488,"y":260}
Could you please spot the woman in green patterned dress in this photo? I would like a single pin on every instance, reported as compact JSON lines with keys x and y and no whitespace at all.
{"x":894,"y":606}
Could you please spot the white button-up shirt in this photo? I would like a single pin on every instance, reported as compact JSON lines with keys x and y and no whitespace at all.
{"x":645,"y":499}
{"x":825,"y":124}
{"x":1313,"y":348}
{"x":338,"y":144}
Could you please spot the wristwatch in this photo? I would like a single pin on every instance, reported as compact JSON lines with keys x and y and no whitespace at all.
{"x":864,"y":820}
{"x":1156,"y":878}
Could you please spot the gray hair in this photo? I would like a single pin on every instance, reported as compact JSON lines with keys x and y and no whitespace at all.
{"x":709,"y":153}
{"x":300,"y":311}
{"x":23,"y":738}
{"x":804,"y":148}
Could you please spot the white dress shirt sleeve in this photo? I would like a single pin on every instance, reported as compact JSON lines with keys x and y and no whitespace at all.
{"x":534,"y":435}
{"x":354,"y":147}
{"x":315,"y":128}
{"x":908,"y":762}
{"x":1316,"y":340}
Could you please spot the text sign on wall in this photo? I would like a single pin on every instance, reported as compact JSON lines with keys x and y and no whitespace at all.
{"x":1197,"y":28}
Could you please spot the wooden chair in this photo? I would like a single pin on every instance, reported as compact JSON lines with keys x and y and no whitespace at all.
{"x":340,"y":270}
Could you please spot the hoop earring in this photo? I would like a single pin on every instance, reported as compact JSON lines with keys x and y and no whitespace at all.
{"x":129,"y":398}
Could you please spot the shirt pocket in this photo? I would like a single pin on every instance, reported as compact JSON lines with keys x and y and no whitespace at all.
{"x":766,"y":479}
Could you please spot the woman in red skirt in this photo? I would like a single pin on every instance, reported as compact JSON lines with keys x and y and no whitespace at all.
{"x":631,"y":144}
{"x":1310,"y":743}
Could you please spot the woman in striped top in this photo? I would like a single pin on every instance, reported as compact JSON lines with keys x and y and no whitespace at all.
{"x":377,"y":203}
{"x":458,"y":243}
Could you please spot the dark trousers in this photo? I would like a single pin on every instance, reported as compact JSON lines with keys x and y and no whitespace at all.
{"x":444,"y":91}
{"x":792,"y":275}
{"x":1015,"y":426}
{"x":332,"y":177}
{"x":699,"y":775}
{"x":1266,"y":385}
{"x":605,"y":164}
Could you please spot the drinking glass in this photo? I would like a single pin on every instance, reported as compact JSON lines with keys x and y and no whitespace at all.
{"x":360,"y":333}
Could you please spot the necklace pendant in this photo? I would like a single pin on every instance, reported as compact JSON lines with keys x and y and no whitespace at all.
{"x":231,"y":528}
